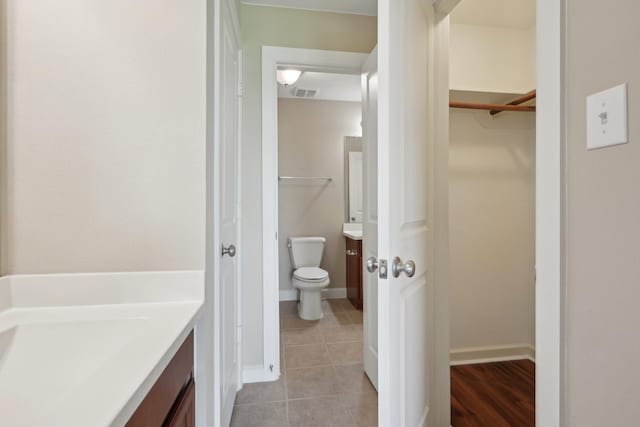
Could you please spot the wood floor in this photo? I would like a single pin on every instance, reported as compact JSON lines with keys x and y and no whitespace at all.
{"x":498,"y":394}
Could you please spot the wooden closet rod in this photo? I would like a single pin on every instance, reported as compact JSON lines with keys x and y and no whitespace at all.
{"x":521,"y":100}
{"x":492,"y":107}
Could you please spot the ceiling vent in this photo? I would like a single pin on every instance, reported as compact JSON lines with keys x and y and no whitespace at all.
{"x":305,"y":93}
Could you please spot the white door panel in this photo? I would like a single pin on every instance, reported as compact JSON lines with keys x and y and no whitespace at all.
{"x":228,"y":170}
{"x":405,"y":203}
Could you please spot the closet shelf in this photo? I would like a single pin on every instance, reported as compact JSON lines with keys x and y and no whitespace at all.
{"x":494,"y":109}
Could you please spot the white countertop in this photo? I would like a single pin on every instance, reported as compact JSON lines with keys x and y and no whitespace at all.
{"x":85,"y":363}
{"x":352,"y":231}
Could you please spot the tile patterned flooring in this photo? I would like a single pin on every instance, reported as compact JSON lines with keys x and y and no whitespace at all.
{"x":322,"y":382}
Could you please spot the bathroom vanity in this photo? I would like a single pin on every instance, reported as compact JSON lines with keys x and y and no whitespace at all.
{"x":353,"y":236}
{"x":110,"y":349}
{"x":171,"y":400}
{"x":354,"y":272}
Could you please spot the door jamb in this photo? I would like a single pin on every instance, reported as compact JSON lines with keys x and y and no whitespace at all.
{"x":305,"y":59}
{"x":550,"y":196}
{"x":550,"y":222}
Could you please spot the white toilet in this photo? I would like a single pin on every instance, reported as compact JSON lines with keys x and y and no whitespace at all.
{"x":308,"y":277}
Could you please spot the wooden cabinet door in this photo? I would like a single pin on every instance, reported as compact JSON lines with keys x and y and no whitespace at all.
{"x":158,"y":406}
{"x":185,"y":413}
{"x":354,"y":272}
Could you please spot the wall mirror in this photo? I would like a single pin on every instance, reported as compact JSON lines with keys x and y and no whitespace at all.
{"x":353,"y":172}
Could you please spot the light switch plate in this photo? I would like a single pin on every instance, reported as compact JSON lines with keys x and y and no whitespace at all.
{"x":607,"y":118}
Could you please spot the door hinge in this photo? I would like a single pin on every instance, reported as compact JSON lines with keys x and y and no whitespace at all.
{"x":276,"y":235}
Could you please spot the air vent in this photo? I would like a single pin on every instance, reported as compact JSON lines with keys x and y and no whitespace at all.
{"x":305,"y":93}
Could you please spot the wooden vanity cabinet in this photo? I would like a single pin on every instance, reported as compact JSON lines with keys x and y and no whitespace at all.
{"x":171,"y":400}
{"x":354,"y":272}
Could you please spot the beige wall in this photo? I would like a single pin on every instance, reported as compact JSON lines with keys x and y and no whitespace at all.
{"x":311,"y":143}
{"x":105,"y":135}
{"x":492,"y":59}
{"x":492,"y":227}
{"x":602,"y":221}
{"x":288,"y":28}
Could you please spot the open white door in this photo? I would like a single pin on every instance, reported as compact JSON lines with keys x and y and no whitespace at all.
{"x":228,"y":173}
{"x":370,"y":212}
{"x":406,"y":143}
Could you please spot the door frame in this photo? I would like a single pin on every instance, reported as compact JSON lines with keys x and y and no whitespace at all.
{"x":207,"y":338}
{"x":550,"y":213}
{"x":272,"y":58}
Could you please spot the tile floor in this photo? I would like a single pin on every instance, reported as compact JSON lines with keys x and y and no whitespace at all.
{"x":322,"y":382}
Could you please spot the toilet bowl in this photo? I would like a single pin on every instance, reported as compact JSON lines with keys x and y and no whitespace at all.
{"x":308,"y":277}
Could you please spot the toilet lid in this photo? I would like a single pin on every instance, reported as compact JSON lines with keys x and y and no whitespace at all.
{"x":310,"y":273}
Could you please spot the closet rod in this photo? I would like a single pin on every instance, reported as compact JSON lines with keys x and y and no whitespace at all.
{"x":521,"y":100}
{"x":491,"y":107}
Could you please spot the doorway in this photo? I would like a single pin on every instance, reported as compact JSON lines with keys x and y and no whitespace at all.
{"x":313,"y":169}
{"x":492,"y":213}
{"x":270,"y":315}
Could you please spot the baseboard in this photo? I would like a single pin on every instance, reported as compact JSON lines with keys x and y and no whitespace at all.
{"x":288,"y":295}
{"x":504,"y":353}
{"x":330,"y":293}
{"x":257,"y":374}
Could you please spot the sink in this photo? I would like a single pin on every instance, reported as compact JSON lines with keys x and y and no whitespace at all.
{"x":352,"y":230}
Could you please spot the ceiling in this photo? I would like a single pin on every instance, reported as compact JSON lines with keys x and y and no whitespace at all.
{"x":500,"y":13}
{"x":330,"y":87}
{"x":359,"y":7}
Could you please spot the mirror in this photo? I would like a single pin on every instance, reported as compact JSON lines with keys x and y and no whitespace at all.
{"x":353,"y":179}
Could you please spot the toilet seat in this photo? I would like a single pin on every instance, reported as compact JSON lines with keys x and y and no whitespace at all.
{"x":311,"y":274}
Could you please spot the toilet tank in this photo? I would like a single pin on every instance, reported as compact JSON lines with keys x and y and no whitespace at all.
{"x":306,"y":251}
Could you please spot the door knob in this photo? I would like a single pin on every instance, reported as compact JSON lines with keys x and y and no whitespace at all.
{"x":230,"y":250}
{"x":351,"y":252}
{"x":397,"y":267}
{"x":372,"y":264}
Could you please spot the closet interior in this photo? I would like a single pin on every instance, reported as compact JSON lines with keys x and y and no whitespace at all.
{"x":492,"y":212}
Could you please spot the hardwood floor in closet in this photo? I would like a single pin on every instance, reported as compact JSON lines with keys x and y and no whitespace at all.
{"x":498,"y":394}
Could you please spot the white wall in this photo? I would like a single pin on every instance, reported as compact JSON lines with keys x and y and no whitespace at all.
{"x":311,"y":143}
{"x":105,"y":135}
{"x":288,"y":28}
{"x":492,"y":59}
{"x":492,"y":227}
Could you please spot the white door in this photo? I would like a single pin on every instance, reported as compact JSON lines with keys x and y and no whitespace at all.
{"x":370,"y":212}
{"x":406,"y":140}
{"x":228,"y":170}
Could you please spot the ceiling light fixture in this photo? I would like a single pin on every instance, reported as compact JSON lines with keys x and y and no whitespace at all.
{"x":288,"y":77}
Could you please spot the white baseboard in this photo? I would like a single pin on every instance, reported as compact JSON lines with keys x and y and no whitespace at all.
{"x":503,"y":353}
{"x":288,"y":295}
{"x":330,"y":293}
{"x":258,"y":374}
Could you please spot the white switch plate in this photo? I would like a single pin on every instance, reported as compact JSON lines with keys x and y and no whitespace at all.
{"x":607,"y":118}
